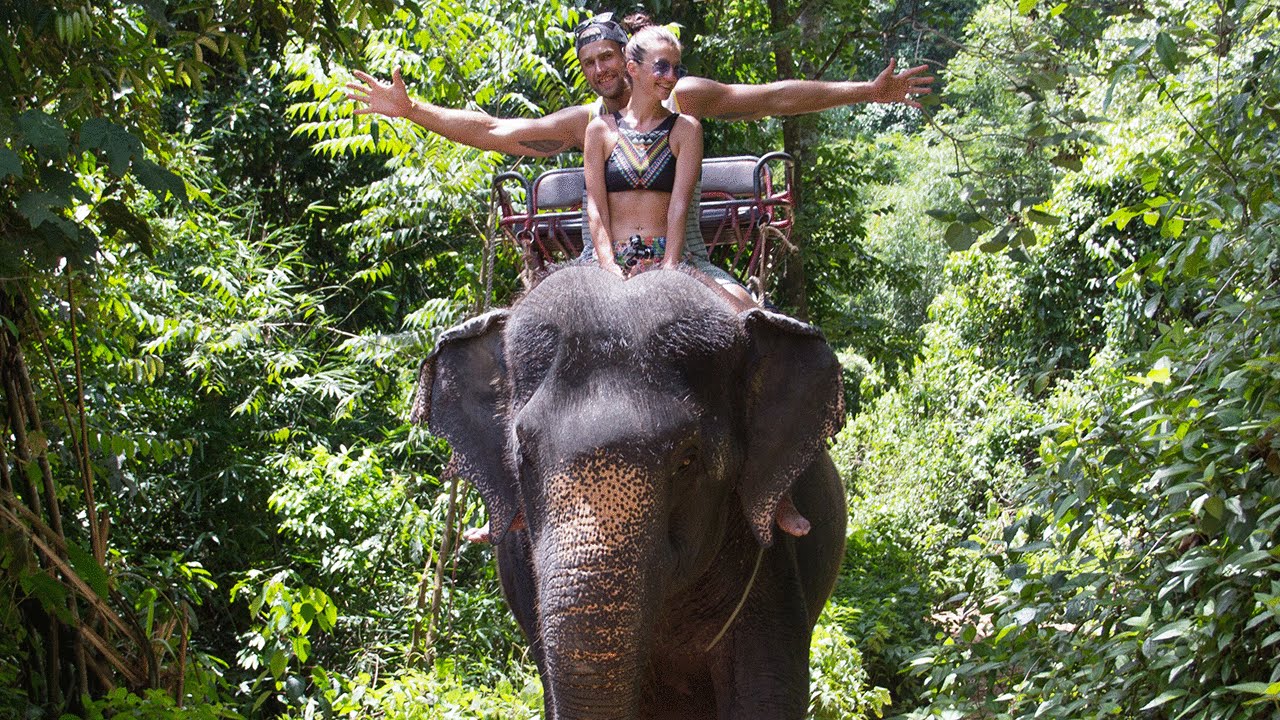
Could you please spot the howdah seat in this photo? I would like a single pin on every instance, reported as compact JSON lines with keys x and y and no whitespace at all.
{"x":746,"y":214}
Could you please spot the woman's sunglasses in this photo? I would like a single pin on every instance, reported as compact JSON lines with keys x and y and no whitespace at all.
{"x":662,"y":68}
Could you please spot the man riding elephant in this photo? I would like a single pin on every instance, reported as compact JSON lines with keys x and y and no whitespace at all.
{"x":599,"y":42}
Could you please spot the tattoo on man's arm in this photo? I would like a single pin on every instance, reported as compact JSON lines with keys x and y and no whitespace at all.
{"x":545,"y":146}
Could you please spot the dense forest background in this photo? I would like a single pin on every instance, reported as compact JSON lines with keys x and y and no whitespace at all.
{"x":1054,"y":292}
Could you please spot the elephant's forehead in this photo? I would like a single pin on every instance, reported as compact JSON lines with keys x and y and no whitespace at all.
{"x":575,"y":291}
{"x":601,"y":314}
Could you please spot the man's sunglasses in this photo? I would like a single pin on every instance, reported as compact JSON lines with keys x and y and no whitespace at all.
{"x":662,"y":68}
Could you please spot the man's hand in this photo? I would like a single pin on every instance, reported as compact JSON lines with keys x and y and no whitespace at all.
{"x":391,"y":100}
{"x":902,"y":87}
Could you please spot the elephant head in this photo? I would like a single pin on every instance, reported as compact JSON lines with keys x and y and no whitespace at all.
{"x":630,"y":422}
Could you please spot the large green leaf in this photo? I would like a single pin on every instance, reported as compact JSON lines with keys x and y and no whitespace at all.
{"x":43,"y":132}
{"x":48,"y":591}
{"x":40,"y":207}
{"x":158,"y":180}
{"x":10,"y":164}
{"x":117,"y":217}
{"x":88,"y":569}
{"x":119,"y":145}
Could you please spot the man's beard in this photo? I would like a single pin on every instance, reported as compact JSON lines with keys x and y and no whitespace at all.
{"x":619,"y":90}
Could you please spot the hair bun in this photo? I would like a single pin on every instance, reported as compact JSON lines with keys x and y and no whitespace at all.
{"x":636,"y":21}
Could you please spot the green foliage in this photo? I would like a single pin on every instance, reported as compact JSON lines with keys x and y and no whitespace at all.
{"x":443,"y":692}
{"x":366,"y":532}
{"x":69,"y":172}
{"x":929,"y":464}
{"x":278,"y":644}
{"x":1133,"y":573}
{"x":64,"y":190}
{"x":151,"y":705}
{"x":212,"y":336}
{"x":420,"y":231}
{"x":877,"y":298}
{"x":1014,"y":119}
{"x":838,"y":683}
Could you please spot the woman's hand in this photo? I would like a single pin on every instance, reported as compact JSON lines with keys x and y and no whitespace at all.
{"x":391,"y":100}
{"x":608,"y":263}
{"x":900,"y":87}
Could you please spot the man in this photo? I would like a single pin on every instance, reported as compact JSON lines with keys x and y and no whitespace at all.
{"x":599,"y":42}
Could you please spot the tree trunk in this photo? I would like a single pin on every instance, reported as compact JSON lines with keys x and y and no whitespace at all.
{"x":790,"y":291}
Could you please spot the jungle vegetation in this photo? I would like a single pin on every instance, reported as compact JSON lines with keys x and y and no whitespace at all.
{"x":1054,"y":291}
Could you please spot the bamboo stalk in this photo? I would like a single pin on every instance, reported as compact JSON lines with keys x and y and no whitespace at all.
{"x":42,"y":455}
{"x":82,"y":449}
{"x":416,"y":633}
{"x":82,"y":663}
{"x":118,"y":662}
{"x":102,"y":674}
{"x":97,"y":531}
{"x":81,"y":588}
{"x":53,"y":552}
{"x":53,"y":663}
{"x":20,"y":396}
{"x":6,"y":483}
{"x":5,"y":480}
{"x":17,"y":423}
{"x":455,"y":554}
{"x":180,"y":690}
{"x":433,"y":619}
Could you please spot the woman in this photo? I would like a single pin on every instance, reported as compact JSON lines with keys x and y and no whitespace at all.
{"x":641,"y":164}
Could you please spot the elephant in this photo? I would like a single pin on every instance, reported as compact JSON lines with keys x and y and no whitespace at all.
{"x":645,"y":431}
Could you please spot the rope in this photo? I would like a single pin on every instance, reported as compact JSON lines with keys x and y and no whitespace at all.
{"x":742,"y":601}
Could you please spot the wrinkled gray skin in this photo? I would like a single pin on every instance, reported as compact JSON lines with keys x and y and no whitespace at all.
{"x":648,"y":431}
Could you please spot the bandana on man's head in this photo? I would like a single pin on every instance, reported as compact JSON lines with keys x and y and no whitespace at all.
{"x":599,"y":27}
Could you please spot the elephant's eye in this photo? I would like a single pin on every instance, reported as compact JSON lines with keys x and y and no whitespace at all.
{"x":687,"y":458}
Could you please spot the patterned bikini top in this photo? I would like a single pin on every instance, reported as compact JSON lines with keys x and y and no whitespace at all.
{"x":641,"y":160}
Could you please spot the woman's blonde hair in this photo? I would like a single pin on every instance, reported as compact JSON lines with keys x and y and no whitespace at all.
{"x":647,"y":38}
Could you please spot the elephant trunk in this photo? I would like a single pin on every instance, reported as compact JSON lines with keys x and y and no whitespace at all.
{"x":596,"y":588}
{"x":593,"y":653}
{"x":593,"y":662}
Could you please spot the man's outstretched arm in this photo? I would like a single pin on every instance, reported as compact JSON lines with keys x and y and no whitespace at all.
{"x":536,"y":137}
{"x":710,"y":99}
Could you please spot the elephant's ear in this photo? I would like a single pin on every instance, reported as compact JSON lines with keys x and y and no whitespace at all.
{"x":462,"y":396}
{"x":794,"y":403}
